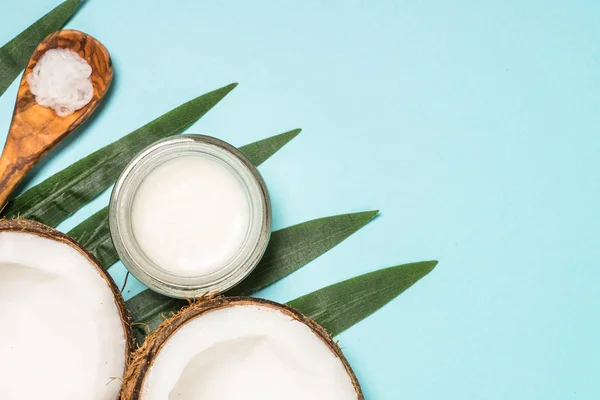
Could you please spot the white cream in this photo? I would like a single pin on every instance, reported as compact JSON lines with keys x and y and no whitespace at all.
{"x":246,"y":352}
{"x":61,"y":336}
{"x":190,"y":215}
{"x":61,"y":80}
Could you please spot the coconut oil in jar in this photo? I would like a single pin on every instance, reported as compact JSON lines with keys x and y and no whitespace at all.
{"x":205,"y":231}
{"x":190,"y":215}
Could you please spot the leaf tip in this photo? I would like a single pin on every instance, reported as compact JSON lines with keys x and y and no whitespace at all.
{"x":286,"y":137}
{"x":289,"y":135}
{"x":223,"y":91}
{"x":368,"y":216}
{"x":426,"y":266}
{"x":229,"y":87}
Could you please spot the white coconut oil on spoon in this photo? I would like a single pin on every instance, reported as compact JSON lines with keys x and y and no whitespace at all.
{"x":190,"y":215}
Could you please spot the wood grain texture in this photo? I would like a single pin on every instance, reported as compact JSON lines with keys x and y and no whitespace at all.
{"x":35,"y":130}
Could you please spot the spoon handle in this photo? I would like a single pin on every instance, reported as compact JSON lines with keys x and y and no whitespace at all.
{"x":10,"y":176}
{"x":19,"y":155}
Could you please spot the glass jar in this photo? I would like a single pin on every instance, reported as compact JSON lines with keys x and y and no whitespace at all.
{"x":154,"y":276}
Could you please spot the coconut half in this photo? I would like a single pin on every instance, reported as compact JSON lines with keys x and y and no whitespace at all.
{"x":239,"y":348}
{"x":66,"y":333}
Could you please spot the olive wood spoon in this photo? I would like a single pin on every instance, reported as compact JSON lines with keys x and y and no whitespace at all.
{"x":35,"y":130}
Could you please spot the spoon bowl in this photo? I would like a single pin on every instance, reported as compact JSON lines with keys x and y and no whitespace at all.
{"x":35,"y":130}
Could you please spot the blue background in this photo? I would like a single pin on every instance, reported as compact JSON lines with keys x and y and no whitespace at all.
{"x":473,"y":126}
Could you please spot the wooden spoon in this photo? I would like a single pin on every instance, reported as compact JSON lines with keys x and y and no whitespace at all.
{"x":35,"y":130}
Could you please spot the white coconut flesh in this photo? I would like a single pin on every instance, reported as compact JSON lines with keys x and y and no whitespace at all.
{"x":246,"y":352}
{"x":62,"y":337}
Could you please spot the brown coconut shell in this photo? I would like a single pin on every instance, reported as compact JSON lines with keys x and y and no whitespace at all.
{"x":144,"y":357}
{"x":35,"y":228}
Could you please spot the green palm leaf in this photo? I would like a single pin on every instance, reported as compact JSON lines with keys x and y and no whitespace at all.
{"x":295,"y":246}
{"x":340,"y":306}
{"x":261,"y":151}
